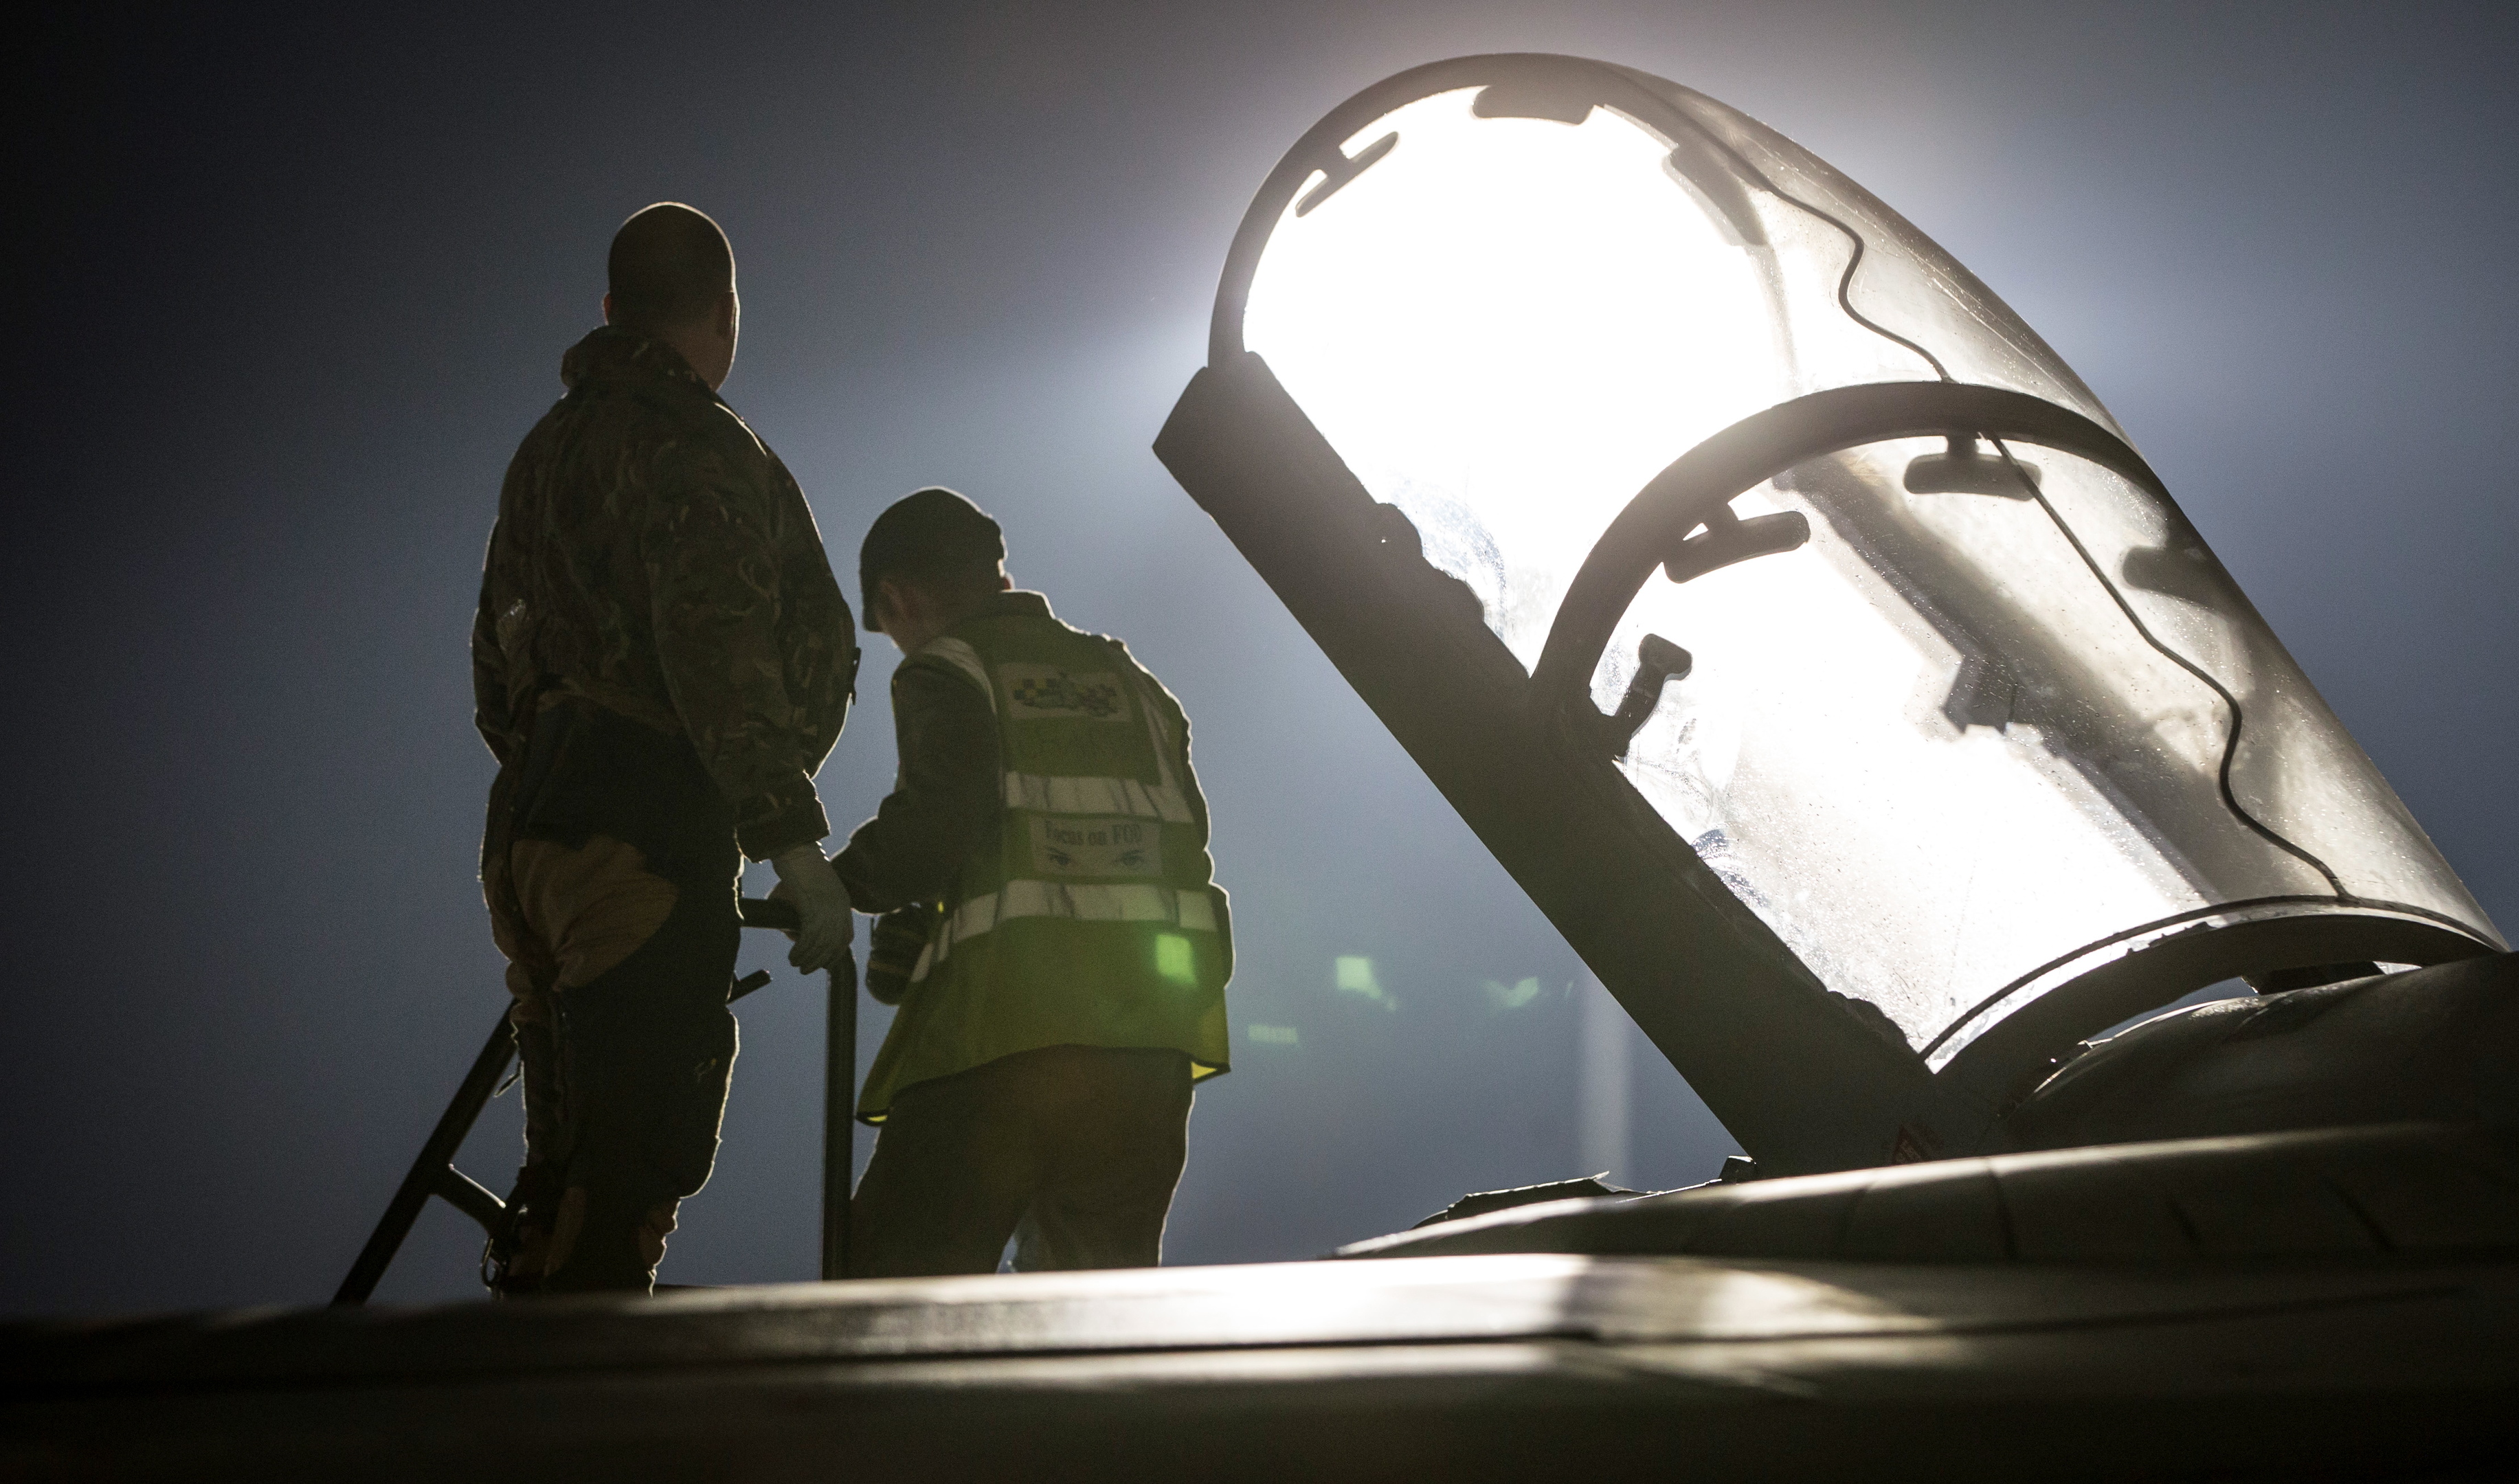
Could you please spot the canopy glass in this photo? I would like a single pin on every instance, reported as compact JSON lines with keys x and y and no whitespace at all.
{"x":2001,"y":713}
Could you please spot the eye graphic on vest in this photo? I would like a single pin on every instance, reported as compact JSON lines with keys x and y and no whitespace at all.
{"x":1039,"y":690}
{"x":1084,"y":846}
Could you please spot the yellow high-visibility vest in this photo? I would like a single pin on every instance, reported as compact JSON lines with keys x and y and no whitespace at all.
{"x":1092,"y":919}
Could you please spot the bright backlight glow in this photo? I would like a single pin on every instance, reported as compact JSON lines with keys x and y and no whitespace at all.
{"x":1959,"y":737}
{"x":1506,"y":326}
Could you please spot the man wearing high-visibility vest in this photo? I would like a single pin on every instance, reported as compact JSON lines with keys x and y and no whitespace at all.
{"x":1066,"y":984}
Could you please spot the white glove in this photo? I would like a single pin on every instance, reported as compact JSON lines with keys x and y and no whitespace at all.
{"x":825,"y":926}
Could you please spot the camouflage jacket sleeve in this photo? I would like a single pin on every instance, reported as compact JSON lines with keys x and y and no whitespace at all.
{"x":711,"y":551}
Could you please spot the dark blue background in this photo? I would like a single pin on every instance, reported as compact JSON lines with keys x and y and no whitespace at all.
{"x":285,"y":291}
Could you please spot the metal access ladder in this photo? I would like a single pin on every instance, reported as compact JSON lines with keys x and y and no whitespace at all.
{"x":434,"y":1173}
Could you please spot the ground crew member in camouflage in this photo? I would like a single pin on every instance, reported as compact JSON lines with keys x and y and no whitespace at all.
{"x":660,"y":662}
{"x":1052,"y":934}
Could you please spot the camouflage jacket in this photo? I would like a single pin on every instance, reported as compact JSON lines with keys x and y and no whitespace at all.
{"x":653,"y":556}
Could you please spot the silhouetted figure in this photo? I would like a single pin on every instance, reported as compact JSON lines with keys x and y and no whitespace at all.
{"x":661,"y":661}
{"x":1047,"y":842}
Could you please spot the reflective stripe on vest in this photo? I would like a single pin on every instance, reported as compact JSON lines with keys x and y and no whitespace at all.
{"x":1192,"y":911}
{"x":1162,"y":800}
{"x":1097,"y":795}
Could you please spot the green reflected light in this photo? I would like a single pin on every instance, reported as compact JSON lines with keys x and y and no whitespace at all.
{"x":1353,"y":973}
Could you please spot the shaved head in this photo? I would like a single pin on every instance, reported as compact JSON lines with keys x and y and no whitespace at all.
{"x":670,"y":266}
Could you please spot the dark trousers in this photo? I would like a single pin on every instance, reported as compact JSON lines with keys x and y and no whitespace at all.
{"x":620,"y":979}
{"x":1073,"y":1151}
{"x":609,"y":865}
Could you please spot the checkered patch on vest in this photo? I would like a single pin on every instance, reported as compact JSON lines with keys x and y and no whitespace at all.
{"x":1045,"y":691}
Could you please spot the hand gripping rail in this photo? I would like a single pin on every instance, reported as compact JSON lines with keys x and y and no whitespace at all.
{"x":434,"y":1174}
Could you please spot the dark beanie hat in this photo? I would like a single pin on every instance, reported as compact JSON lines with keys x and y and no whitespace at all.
{"x":922,"y":535}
